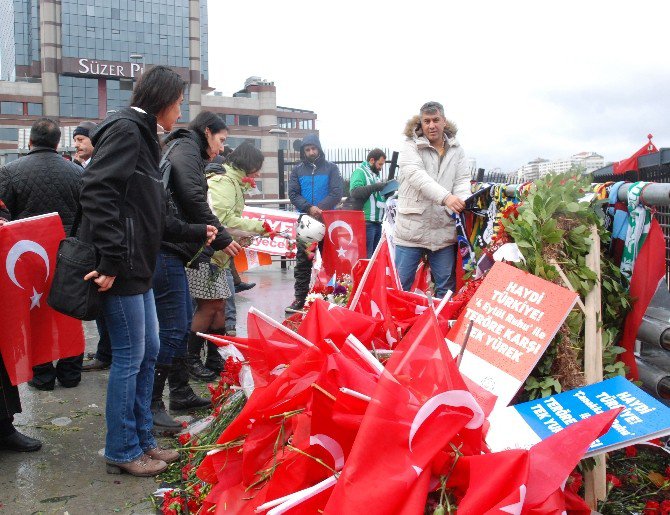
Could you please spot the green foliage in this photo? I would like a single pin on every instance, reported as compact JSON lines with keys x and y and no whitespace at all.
{"x":554,"y":225}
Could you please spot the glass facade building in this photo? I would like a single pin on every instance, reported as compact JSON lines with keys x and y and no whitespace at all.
{"x":101,"y":48}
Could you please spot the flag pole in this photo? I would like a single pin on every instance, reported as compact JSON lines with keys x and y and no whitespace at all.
{"x":366,"y":273}
{"x":465,"y":342}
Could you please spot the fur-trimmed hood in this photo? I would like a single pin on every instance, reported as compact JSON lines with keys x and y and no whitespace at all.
{"x":413,"y":128}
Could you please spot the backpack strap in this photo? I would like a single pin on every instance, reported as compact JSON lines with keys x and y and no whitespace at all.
{"x":161,"y":165}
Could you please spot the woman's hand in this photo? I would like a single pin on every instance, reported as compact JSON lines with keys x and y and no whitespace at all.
{"x":104,"y":281}
{"x":211,"y":233}
{"x":233,"y":249}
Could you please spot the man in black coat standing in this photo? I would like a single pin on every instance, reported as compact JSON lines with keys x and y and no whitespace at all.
{"x":39,"y":183}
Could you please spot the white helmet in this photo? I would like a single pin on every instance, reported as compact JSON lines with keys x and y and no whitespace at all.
{"x":310,"y":230}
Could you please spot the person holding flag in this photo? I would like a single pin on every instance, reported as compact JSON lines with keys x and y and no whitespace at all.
{"x":315,"y":185}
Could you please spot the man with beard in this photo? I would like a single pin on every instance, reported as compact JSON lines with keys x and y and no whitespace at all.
{"x":82,"y":143}
{"x":364,"y":189}
{"x":315,"y":185}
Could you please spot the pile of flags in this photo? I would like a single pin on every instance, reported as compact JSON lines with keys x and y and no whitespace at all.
{"x":331,"y":429}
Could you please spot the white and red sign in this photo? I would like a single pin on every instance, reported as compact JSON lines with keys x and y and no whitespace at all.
{"x":514,"y":315}
{"x":280,"y":221}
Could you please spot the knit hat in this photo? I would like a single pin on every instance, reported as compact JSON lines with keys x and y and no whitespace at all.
{"x":83,"y":129}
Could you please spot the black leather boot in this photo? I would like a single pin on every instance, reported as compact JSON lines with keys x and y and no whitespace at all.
{"x":195,"y":367}
{"x":182,"y":396}
{"x":163,"y":423}
{"x":214,"y":361}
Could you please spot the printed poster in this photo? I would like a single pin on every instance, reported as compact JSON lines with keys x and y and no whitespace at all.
{"x":515,"y":315}
{"x":280,"y":221}
{"x":522,"y":426}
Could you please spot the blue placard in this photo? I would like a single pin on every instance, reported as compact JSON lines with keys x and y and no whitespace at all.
{"x":642,"y":419}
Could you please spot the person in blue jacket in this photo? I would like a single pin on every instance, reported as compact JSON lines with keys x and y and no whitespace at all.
{"x":315,"y":185}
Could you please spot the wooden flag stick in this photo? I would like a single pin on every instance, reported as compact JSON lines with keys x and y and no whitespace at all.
{"x":595,"y":484}
{"x":465,"y":342}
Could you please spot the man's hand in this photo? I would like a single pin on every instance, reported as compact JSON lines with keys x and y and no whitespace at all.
{"x":315,"y":212}
{"x":454,"y":203}
{"x":211,"y":233}
{"x":104,"y":281}
{"x":233,"y":249}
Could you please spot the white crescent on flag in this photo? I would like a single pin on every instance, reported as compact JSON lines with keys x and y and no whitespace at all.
{"x":454,"y":398}
{"x":17,"y":250}
{"x":334,"y":448}
{"x":340,"y":223}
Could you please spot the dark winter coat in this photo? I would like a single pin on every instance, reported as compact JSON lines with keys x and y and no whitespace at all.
{"x":124,"y":203}
{"x":39,"y":183}
{"x":188,"y":187}
{"x":314,"y":184}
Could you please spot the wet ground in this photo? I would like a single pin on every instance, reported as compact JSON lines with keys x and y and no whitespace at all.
{"x":68,"y":474}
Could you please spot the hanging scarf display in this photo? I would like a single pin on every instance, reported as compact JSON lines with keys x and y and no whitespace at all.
{"x":639,"y":222}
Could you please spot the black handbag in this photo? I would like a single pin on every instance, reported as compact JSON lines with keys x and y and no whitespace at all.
{"x":70,"y":294}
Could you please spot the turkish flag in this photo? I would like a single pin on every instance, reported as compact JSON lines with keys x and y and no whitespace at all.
{"x":525,"y":482}
{"x":329,"y":321}
{"x":32,"y":332}
{"x":344,"y":243}
{"x":630,"y":164}
{"x":648,"y":272}
{"x":371,"y":294}
{"x":419,"y":405}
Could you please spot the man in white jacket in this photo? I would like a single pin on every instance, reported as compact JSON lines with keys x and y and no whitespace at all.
{"x":434,"y":182}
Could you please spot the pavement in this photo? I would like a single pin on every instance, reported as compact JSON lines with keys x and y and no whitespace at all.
{"x":68,"y":474}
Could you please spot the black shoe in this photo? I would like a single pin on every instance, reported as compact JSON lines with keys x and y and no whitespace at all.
{"x":69,"y":384}
{"x":240,"y":287}
{"x":95,"y":364}
{"x":182,"y":396}
{"x":295,"y":307}
{"x":164,"y":424}
{"x":45,"y":387}
{"x":231,"y":332}
{"x":20,"y":443}
{"x":199,"y":372}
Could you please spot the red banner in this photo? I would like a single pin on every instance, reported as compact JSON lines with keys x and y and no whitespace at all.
{"x":344,"y":242}
{"x":32,"y":332}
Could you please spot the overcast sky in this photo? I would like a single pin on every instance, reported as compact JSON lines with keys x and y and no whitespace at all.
{"x":521,"y":79}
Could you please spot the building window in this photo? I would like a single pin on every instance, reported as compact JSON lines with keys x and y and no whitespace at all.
{"x":34,"y":109}
{"x":11,"y":108}
{"x":247,"y":120}
{"x":9,"y":134}
{"x":234,"y":142}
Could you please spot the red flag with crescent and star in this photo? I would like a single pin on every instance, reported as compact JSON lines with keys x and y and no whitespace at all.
{"x":32,"y":332}
{"x":344,"y":243}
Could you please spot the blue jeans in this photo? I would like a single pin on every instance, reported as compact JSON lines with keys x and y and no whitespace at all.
{"x":104,"y":352}
{"x":442,"y":267}
{"x":373,"y":233}
{"x":133,"y":330}
{"x":173,"y":306}
{"x":229,"y":303}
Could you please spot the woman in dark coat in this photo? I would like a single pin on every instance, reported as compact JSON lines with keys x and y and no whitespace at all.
{"x":124,"y":215}
{"x":188,"y":151}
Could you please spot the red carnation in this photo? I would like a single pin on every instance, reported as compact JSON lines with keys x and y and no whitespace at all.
{"x":651,"y":508}
{"x":184,"y":438}
{"x":631,"y":451}
{"x":615,"y":481}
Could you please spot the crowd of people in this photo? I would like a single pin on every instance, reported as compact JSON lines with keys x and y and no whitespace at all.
{"x":163,"y":209}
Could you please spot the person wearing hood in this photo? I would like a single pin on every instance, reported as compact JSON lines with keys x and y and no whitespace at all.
{"x":125,"y":217}
{"x":315,"y":185}
{"x":434,"y":181}
{"x":188,"y":151}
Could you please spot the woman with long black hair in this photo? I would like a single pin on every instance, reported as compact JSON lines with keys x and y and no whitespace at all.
{"x":124,"y":215}
{"x":188,"y":151}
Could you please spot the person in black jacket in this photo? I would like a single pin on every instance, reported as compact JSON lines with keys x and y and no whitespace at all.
{"x":39,"y":183}
{"x":124,"y":215}
{"x":188,"y":151}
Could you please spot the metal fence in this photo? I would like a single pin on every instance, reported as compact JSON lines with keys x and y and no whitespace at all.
{"x":654,"y":167}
